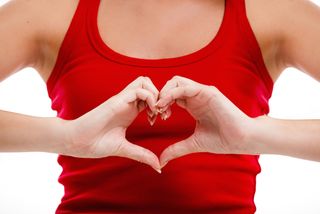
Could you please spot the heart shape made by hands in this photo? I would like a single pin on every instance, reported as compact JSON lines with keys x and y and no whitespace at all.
{"x":220,"y":125}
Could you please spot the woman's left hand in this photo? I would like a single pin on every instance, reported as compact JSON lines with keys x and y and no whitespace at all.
{"x":221,"y":127}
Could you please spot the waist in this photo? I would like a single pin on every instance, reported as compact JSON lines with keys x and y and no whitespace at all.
{"x":202,"y":182}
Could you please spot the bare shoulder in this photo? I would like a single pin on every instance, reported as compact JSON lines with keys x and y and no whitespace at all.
{"x":29,"y":29}
{"x":56,"y":17}
{"x":275,"y":23}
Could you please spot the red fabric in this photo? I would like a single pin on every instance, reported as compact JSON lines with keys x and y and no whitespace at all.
{"x":88,"y":72}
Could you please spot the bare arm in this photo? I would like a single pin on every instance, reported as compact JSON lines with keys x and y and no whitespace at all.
{"x":299,"y":26}
{"x":222,"y":127}
{"x":18,"y":37}
{"x":98,"y":133}
{"x":20,"y":48}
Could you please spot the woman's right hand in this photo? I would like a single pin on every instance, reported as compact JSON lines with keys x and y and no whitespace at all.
{"x":101,"y":132}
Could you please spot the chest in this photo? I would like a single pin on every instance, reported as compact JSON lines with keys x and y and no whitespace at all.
{"x":159,"y":29}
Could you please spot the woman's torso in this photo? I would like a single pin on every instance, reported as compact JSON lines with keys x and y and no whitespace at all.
{"x":153,"y":30}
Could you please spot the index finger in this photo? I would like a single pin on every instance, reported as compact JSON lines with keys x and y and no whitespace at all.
{"x":174,"y":82}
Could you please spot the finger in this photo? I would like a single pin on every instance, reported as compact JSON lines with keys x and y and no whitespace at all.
{"x":181,"y":92}
{"x":144,"y":82}
{"x":166,"y":114}
{"x":148,"y":84}
{"x":145,"y":95}
{"x":141,"y":94}
{"x":135,"y":83}
{"x":181,"y":102}
{"x":174,"y":82}
{"x":151,"y":113}
{"x":151,"y":117}
{"x":140,"y":154}
{"x":179,"y":149}
{"x":161,"y":110}
{"x":141,"y":105}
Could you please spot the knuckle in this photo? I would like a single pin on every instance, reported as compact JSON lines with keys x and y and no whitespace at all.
{"x":172,"y":96}
{"x":140,"y":79}
{"x":176,"y":77}
{"x":141,"y":90}
{"x":138,"y":90}
{"x":163,"y":94}
{"x":147,"y":79}
{"x":213,"y":89}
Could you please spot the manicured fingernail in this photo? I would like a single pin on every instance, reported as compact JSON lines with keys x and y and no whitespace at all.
{"x":165,"y":116}
{"x":154,"y":108}
{"x":162,"y":116}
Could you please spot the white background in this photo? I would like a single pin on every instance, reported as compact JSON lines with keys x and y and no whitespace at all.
{"x":28,"y":181}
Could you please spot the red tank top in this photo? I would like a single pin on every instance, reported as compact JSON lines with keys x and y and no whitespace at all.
{"x":88,"y":72}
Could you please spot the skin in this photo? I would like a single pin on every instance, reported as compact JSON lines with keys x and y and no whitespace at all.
{"x":25,"y":40}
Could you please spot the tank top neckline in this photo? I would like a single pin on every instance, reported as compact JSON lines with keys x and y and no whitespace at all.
{"x":104,"y":50}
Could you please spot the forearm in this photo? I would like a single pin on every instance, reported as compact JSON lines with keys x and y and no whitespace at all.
{"x":296,"y":138}
{"x":22,"y":133}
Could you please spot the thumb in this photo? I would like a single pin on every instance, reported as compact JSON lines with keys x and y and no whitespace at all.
{"x":138,"y":153}
{"x":178,"y":149}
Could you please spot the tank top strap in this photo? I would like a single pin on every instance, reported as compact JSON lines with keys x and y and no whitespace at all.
{"x":248,"y":40}
{"x":74,"y":33}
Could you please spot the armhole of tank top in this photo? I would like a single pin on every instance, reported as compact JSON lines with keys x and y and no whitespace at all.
{"x":256,"y":53}
{"x":65,"y":46}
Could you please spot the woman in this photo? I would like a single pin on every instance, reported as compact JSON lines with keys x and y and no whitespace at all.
{"x":205,"y":67}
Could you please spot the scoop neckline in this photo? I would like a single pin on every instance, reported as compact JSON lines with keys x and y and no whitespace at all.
{"x":104,"y":50}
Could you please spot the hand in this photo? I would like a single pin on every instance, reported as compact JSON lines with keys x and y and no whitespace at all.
{"x":101,"y":132}
{"x":220,"y":125}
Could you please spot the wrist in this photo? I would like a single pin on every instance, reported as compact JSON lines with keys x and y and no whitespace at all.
{"x":256,"y":135}
{"x":60,"y":136}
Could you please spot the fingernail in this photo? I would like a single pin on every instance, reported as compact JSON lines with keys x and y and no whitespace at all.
{"x":165,"y":116}
{"x":153,"y":108}
{"x":158,"y":170}
{"x":162,"y":116}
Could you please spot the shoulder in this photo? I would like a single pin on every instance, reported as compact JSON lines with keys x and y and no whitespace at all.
{"x":56,"y":18}
{"x":37,"y":15}
{"x":39,"y":25}
{"x":275,"y":22}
